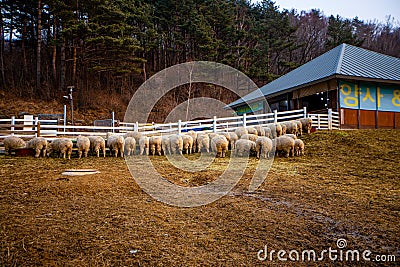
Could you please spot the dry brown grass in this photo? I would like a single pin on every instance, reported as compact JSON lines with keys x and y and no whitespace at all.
{"x":346,"y":186}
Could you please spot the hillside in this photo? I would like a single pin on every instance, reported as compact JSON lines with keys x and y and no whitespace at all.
{"x":11,"y":105}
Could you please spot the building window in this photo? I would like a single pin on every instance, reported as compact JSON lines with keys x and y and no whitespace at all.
{"x":283,"y":105}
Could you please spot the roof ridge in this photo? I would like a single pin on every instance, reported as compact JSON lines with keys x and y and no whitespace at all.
{"x":339,"y":64}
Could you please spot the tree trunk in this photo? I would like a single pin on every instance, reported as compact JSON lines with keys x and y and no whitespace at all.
{"x":11,"y":34}
{"x":74,"y":65}
{"x":62,"y":67}
{"x":3,"y":81}
{"x":54,"y":59}
{"x":24,"y":34}
{"x":39,"y":46}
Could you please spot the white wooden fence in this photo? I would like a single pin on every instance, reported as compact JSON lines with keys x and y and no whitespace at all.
{"x":328,"y":121}
{"x":49,"y":128}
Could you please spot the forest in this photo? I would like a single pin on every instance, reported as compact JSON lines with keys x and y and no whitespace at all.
{"x":107,"y":48}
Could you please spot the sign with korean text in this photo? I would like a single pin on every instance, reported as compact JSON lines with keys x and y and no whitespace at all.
{"x":369,"y":96}
{"x":256,"y":106}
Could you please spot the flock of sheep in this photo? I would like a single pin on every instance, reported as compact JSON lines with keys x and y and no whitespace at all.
{"x":281,"y":138}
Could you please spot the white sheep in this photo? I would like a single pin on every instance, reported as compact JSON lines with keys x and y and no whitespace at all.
{"x":83,"y":145}
{"x":212,"y":135}
{"x":299,"y":147}
{"x":135,"y":134}
{"x":291,"y":127}
{"x":260,"y":130}
{"x":244,"y":147}
{"x":293,"y":136}
{"x":264,"y":147}
{"x":252,"y":130}
{"x":12,"y":142}
{"x":39,"y":144}
{"x":299,"y":127}
{"x":155,"y":145}
{"x":306,"y":124}
{"x":62,"y":146}
{"x":279,"y":129}
{"x":176,"y":144}
{"x":268,"y":132}
{"x":130,"y":146}
{"x":219,"y":144}
{"x":283,"y":126}
{"x":203,"y":142}
{"x":166,"y":145}
{"x":144,"y":145}
{"x":116,"y":144}
{"x":285,"y":145}
{"x":251,"y":137}
{"x":227,"y":135}
{"x":232,"y":138}
{"x":241,"y":131}
{"x":193,"y":134}
{"x":276,"y":129}
{"x":187,"y":143}
{"x":97,"y":143}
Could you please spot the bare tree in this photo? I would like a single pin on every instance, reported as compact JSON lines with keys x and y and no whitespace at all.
{"x":39,"y":46}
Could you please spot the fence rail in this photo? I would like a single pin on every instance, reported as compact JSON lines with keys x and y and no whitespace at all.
{"x":50,"y":128}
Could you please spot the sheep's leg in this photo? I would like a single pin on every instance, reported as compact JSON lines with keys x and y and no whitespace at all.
{"x":37,"y":154}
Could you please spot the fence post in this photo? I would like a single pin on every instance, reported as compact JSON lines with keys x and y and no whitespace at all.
{"x":275,"y":116}
{"x":179,"y":126}
{"x":65,"y":116}
{"x":244,"y":120}
{"x":112,"y":121}
{"x":136,"y":127}
{"x":329,"y":119}
{"x":305,"y":112}
{"x":319,"y":121}
{"x":36,"y":123}
{"x":12,"y":125}
{"x":38,"y":129}
{"x":215,"y":124}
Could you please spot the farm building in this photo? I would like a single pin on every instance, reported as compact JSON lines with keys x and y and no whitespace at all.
{"x":362,"y":85}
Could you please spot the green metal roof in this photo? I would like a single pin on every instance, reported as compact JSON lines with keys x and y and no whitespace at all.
{"x":344,"y":61}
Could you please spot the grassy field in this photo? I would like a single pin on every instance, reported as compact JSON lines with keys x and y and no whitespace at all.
{"x":346,"y":186}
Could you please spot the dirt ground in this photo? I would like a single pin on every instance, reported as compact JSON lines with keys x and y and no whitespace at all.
{"x":346,"y":186}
